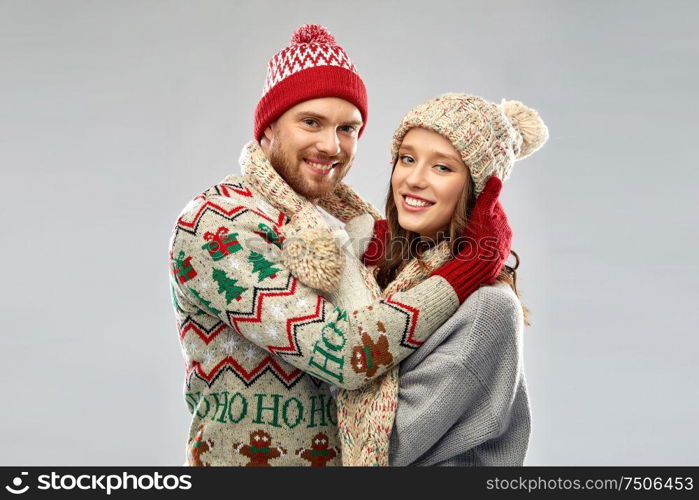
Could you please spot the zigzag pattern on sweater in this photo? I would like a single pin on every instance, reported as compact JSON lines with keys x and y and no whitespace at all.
{"x":255,"y":315}
{"x":248,"y":377}
{"x":411,"y":317}
{"x":191,"y":226}
{"x":226,"y":189}
{"x":205,"y":334}
{"x":259,"y":295}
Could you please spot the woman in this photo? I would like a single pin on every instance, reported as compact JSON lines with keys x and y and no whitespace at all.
{"x":461,"y":398}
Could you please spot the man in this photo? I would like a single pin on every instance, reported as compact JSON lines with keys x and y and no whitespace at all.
{"x":261,"y":346}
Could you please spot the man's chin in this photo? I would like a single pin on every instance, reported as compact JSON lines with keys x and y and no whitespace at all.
{"x":304,"y":183}
{"x":313,"y":191}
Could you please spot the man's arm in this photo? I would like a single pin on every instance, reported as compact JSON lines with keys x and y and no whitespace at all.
{"x":225,"y":261}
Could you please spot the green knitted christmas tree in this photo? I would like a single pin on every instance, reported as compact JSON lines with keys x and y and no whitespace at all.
{"x":205,"y":303}
{"x":227,"y":285}
{"x":263,"y":268}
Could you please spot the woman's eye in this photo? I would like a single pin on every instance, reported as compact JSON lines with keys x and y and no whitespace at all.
{"x":407,"y":159}
{"x":442,"y":168}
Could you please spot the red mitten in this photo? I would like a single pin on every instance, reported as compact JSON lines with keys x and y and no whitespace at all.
{"x":377,"y":245}
{"x":489,"y":238}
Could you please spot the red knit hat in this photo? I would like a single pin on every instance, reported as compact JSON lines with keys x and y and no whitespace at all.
{"x":312,"y":66}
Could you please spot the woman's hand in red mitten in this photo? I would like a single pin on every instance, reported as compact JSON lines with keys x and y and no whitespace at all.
{"x":488,"y":241}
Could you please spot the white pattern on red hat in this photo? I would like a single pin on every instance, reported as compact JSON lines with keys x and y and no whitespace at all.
{"x":311,"y":46}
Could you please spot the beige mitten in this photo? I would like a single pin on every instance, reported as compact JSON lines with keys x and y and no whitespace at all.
{"x":310,"y":252}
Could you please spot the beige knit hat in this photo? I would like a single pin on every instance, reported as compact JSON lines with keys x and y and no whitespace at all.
{"x":489,"y":136}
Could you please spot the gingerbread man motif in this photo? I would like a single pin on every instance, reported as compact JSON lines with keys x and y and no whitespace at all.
{"x":198,"y":448}
{"x":319,"y":454}
{"x":259,"y":451}
{"x":367,"y":358}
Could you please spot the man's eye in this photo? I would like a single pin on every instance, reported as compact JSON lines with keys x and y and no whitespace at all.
{"x":407,"y":159}
{"x":349,"y":129}
{"x":310,"y":122}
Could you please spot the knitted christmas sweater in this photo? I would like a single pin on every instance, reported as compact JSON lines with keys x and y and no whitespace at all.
{"x":261,"y":346}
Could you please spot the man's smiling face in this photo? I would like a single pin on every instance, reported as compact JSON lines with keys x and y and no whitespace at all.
{"x":312,"y":145}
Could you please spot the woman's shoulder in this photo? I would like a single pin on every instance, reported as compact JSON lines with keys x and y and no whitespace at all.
{"x":490,"y":315}
{"x":499,"y":300}
{"x":491,"y":319}
{"x":496,"y":303}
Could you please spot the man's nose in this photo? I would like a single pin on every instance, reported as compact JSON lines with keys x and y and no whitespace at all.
{"x":329,"y":142}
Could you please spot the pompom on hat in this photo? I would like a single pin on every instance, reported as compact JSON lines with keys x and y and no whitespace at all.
{"x":488,"y":136}
{"x":310,"y":67}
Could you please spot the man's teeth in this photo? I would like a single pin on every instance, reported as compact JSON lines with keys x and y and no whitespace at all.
{"x":320,"y":166}
{"x":414,"y":202}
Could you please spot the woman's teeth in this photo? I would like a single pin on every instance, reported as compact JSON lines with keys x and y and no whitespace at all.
{"x":414,"y":202}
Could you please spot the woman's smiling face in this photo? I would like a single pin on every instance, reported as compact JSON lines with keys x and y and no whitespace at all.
{"x":428,"y":179}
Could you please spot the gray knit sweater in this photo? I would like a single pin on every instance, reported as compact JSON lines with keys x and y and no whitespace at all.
{"x":463,"y":395}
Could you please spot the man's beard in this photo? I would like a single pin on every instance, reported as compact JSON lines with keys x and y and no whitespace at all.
{"x":290,"y":170}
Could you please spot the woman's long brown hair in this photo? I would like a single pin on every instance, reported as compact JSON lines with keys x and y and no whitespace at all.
{"x":404,"y":245}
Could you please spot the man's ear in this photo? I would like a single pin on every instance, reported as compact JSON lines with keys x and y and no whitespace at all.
{"x":267,"y":135}
{"x":269,"y":131}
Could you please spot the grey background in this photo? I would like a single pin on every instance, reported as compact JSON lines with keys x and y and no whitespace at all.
{"x":114,"y":114}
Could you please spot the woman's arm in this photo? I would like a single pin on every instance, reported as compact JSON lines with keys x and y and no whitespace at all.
{"x":466,"y":386}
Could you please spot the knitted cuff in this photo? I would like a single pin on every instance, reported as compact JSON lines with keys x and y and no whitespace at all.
{"x":467,"y":278}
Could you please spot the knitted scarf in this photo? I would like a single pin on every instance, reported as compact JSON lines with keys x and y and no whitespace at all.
{"x":365,"y":416}
{"x":345,"y":203}
{"x":259,"y":174}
